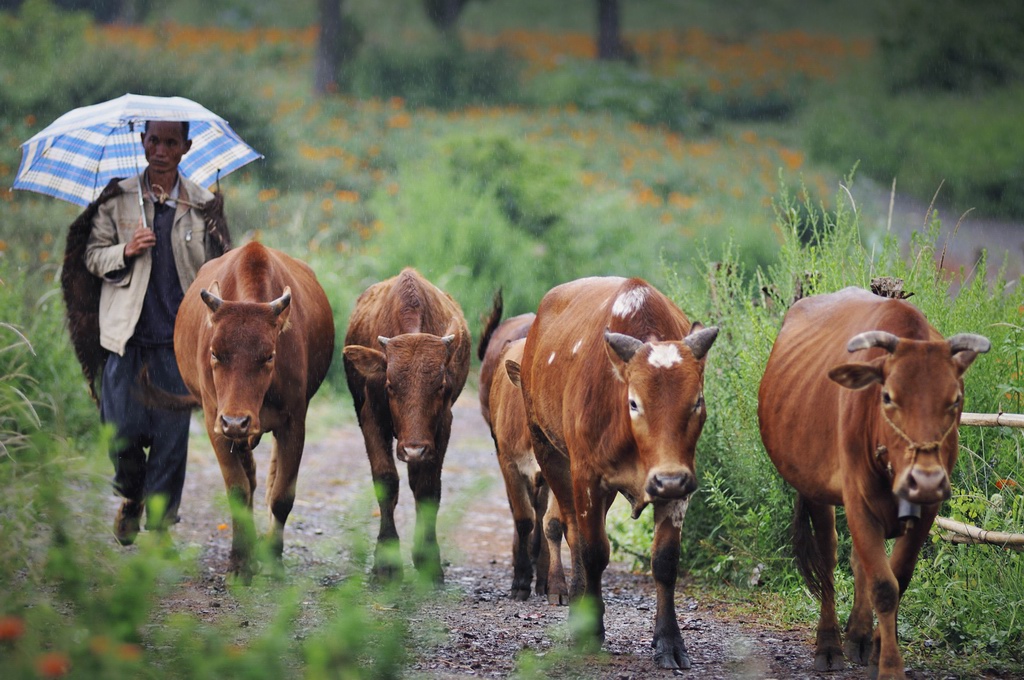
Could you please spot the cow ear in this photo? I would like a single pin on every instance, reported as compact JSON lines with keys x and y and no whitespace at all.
{"x":370,"y":363}
{"x":857,"y":375}
{"x":513,"y":369}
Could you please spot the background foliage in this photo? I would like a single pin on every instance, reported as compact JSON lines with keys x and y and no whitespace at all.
{"x":513,"y":160}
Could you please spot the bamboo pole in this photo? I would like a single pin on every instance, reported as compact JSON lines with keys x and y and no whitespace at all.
{"x":992,"y":419}
{"x":967,"y":533}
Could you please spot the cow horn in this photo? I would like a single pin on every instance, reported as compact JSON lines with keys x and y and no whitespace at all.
{"x":383,"y":341}
{"x":701,"y":341}
{"x":281,"y":303}
{"x":887,"y":341}
{"x":211,"y":300}
{"x":969,"y":342}
{"x":624,"y":345}
{"x":447,"y":340}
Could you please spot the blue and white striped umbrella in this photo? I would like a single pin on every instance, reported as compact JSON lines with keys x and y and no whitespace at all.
{"x":80,"y":152}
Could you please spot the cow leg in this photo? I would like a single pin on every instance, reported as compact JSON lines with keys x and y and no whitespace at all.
{"x":425,"y":480}
{"x":860,"y":625}
{"x":590,"y":558}
{"x":285,"y":457}
{"x":869,"y":543}
{"x":554,"y":528}
{"x":540,"y":554}
{"x":815,"y":543}
{"x":560,"y":518}
{"x":239,"y":471}
{"x":517,"y":488}
{"x":387,"y":558}
{"x":669,"y":648}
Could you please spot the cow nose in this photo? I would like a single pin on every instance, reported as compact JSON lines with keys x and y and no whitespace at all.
{"x":925,"y":485}
{"x":412,"y":453}
{"x":235,"y":427}
{"x":677,"y":484}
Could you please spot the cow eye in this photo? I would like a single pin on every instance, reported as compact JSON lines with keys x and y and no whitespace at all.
{"x":956,"y":402}
{"x":268,"y":359}
{"x":633,"y":406}
{"x":886,"y":399}
{"x":213,"y":357}
{"x":700,"y":403}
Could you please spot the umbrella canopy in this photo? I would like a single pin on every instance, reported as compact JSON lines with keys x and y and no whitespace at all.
{"x":80,"y":152}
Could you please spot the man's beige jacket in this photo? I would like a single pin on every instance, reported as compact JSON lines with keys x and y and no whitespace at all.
{"x":124,"y":283}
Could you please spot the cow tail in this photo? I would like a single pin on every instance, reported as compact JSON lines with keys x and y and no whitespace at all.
{"x":812,"y":565}
{"x":489,"y":324}
{"x":152,"y":396}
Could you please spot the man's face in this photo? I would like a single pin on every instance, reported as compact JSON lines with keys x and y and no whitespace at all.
{"x":164,"y":144}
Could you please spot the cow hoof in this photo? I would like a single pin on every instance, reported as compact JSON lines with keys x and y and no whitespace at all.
{"x":558,"y":599}
{"x":830,"y":659}
{"x":385,"y":573}
{"x":858,"y":651}
{"x":671,"y":654}
{"x":520,"y":594}
{"x":127,"y":521}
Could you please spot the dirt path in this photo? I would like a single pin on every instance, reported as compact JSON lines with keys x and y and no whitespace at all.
{"x":483,"y":630}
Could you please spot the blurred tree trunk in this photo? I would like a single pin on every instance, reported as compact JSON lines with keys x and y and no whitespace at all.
{"x":328,"y":47}
{"x":444,"y":14}
{"x":609,"y":31}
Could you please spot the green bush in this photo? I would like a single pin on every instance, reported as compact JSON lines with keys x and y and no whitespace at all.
{"x":967,"y":146}
{"x":442,"y":76}
{"x":953,"y":45}
{"x":531,"y":187}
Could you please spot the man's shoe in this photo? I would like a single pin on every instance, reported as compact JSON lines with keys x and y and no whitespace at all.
{"x":126,"y":524}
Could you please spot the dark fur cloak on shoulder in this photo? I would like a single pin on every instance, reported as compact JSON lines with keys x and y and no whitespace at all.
{"x":82,"y":290}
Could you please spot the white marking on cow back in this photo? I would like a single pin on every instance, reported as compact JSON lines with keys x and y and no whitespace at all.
{"x":629,"y":303}
{"x":551,"y":359}
{"x":677,"y":512}
{"x":664,"y":356}
{"x":576,"y":347}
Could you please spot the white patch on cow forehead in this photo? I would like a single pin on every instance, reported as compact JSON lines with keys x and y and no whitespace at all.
{"x":664,"y":356}
{"x":629,"y":302}
{"x":551,"y":359}
{"x":677,"y":512}
{"x":576,"y":347}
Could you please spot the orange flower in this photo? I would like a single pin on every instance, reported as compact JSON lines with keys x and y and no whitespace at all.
{"x":792,"y":159}
{"x":11,"y":628}
{"x":129,"y":651}
{"x":53,"y":664}
{"x":1003,"y":483}
{"x":99,"y":645}
{"x":267,"y":195}
{"x":347,"y":196}
{"x":222,"y":527}
{"x":400,"y":121}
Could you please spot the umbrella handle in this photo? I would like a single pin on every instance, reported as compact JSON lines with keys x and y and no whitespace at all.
{"x":138,"y":174}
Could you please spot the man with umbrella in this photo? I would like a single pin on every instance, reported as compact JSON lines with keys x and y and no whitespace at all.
{"x":145,"y":272}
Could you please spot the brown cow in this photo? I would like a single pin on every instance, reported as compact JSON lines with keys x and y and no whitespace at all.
{"x":406,"y":392}
{"x":878,"y":436}
{"x":613,"y":377}
{"x":493,"y":338}
{"x":254,"y":338}
{"x":533,"y":506}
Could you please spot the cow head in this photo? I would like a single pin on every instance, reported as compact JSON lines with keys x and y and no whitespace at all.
{"x":664,"y":398}
{"x":243,"y":346}
{"x":920,"y":398}
{"x":417,"y":372}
